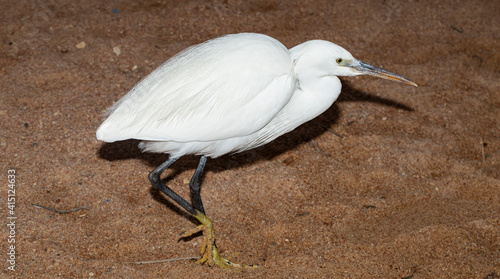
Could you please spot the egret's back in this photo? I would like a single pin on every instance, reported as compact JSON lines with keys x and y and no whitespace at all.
{"x":227,"y":87}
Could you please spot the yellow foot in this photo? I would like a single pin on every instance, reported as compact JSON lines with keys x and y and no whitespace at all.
{"x":209,"y":252}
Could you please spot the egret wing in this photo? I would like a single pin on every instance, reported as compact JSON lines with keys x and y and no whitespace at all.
{"x":227,"y":87}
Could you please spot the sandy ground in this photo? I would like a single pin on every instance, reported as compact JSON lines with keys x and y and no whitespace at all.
{"x":391,"y":181}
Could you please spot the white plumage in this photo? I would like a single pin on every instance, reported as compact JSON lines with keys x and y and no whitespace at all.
{"x":229,"y":94}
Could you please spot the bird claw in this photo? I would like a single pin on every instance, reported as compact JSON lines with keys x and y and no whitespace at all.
{"x":192,"y":231}
{"x":224,"y":263}
{"x":209,"y":252}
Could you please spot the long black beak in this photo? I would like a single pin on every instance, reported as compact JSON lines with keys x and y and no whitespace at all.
{"x":367,"y":69}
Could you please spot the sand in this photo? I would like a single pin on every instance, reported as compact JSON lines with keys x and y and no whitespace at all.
{"x":392,"y":181}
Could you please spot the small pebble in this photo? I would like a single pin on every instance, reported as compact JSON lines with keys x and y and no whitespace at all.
{"x":81,"y":45}
{"x":117,"y":50}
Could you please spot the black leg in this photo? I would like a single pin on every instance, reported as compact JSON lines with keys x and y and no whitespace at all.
{"x":155,"y":179}
{"x":194,"y":185}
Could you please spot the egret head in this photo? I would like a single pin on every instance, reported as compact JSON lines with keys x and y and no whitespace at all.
{"x":324,"y":57}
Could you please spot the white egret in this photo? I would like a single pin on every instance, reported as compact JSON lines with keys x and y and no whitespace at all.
{"x":228,"y":95}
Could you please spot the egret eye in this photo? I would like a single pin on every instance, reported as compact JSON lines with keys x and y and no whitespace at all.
{"x":339,"y":60}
